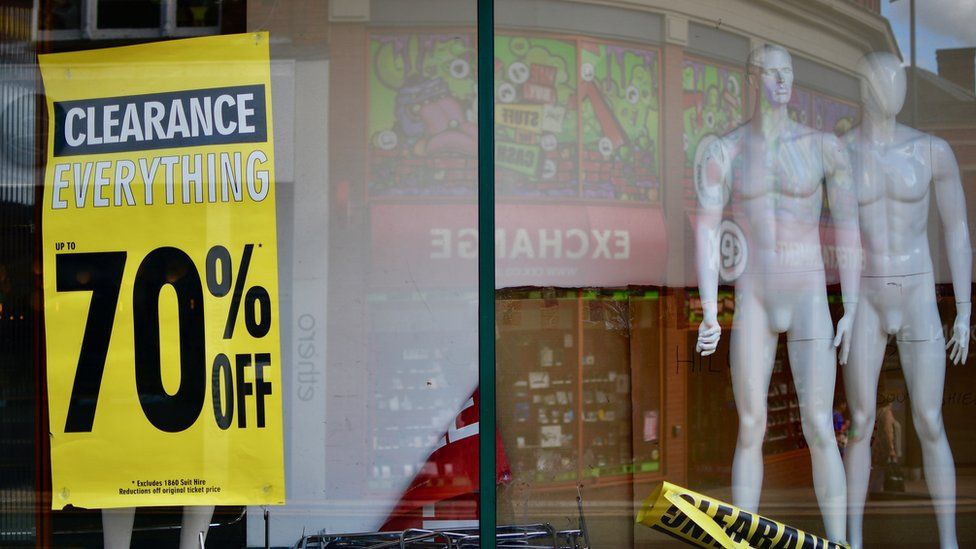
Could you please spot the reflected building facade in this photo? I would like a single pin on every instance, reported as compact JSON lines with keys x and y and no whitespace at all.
{"x":601,"y":112}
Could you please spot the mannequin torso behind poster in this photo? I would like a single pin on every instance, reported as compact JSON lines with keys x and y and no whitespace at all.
{"x":896,"y":171}
{"x":776,"y":199}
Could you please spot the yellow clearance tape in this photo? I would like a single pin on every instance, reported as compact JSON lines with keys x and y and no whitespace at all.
{"x":702,"y":521}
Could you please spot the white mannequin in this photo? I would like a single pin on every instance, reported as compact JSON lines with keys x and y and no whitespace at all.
{"x":777,"y":202}
{"x":117,"y":526}
{"x":895,"y":167}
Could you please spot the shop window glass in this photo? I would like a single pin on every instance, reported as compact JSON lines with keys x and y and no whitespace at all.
{"x":197,"y":13}
{"x":626,"y":177}
{"x":397,"y":207}
{"x":129,"y":14}
{"x":62,"y":15}
{"x":675,"y":195}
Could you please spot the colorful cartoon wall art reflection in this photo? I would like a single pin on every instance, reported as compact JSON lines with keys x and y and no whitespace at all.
{"x":618,"y":93}
{"x":712,"y":100}
{"x":422,"y":115}
{"x":557,"y":100}
{"x":535,"y":117}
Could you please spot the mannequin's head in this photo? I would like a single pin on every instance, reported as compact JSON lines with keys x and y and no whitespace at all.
{"x":770,"y":71}
{"x":882,"y":83}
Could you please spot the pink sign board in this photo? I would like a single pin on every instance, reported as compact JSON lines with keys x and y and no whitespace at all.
{"x":569,"y":245}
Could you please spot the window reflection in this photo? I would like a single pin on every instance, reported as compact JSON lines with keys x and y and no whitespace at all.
{"x":197,"y":13}
{"x":61,"y":15}
{"x":422,"y":121}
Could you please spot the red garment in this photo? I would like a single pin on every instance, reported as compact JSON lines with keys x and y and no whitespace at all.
{"x":445,"y":491}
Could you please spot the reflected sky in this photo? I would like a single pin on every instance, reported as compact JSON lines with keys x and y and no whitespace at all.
{"x":941,"y":24}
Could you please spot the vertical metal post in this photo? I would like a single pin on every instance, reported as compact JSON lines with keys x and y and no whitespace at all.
{"x":486,"y":269}
{"x":168,"y":17}
{"x":89,"y":19}
{"x":911,"y":9}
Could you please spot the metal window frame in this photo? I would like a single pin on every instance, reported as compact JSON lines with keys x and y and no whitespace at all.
{"x":89,"y":26}
{"x":487,"y":497}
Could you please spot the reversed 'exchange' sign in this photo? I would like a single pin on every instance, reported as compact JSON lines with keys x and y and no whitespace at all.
{"x":160,"y":275}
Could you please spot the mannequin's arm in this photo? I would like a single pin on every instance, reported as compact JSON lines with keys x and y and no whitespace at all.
{"x":952,"y":208}
{"x":843,"y":212}
{"x":712,"y":196}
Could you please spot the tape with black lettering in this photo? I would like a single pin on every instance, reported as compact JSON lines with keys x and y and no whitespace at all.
{"x":701,"y":521}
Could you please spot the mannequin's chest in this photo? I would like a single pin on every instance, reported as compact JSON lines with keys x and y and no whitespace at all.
{"x":900,"y":173}
{"x":791,"y":168}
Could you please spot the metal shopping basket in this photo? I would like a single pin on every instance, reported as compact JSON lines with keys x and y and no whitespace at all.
{"x":532,"y":536}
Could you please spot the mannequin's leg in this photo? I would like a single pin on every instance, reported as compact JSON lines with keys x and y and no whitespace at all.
{"x":196,"y":520}
{"x":117,"y":527}
{"x":861,"y":383}
{"x":753,"y":348}
{"x":924,"y":366}
{"x":814,"y":368}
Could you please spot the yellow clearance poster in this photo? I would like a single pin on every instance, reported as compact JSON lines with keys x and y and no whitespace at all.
{"x":160,"y":275}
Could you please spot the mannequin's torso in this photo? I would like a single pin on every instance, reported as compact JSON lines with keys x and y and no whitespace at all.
{"x":893,"y":182}
{"x":778,"y":197}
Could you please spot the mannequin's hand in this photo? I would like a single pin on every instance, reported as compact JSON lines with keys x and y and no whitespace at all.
{"x":958,"y":345}
{"x":843,"y":337}
{"x":709,"y":332}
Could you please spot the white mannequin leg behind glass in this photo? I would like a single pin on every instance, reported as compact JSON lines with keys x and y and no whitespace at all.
{"x":753,"y":349}
{"x":861,"y":383}
{"x":117,"y":526}
{"x":196,"y":520}
{"x":924,"y":365}
{"x":765,"y":305}
{"x":813,"y":363}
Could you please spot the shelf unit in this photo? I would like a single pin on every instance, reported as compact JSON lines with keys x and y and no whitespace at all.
{"x":566,"y":364}
{"x":538,"y":401}
{"x":605,"y":387}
